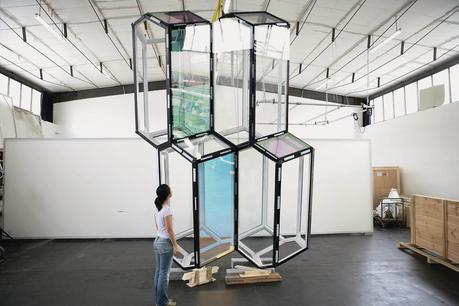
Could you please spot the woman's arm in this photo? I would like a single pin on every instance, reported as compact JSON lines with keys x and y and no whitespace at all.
{"x":170,"y":230}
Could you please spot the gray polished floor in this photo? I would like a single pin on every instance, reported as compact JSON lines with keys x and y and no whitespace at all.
{"x":337,"y":270}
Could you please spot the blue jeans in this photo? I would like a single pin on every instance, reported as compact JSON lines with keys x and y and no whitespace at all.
{"x":163,"y":260}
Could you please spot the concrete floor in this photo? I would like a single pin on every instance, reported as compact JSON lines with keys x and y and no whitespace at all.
{"x":337,"y":270}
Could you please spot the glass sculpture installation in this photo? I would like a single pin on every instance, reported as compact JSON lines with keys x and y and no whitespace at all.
{"x":241,"y":181}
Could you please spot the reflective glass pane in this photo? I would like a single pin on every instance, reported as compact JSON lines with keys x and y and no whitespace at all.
{"x":151,"y":107}
{"x":399,"y":102}
{"x":259,"y":18}
{"x":36,"y":102}
{"x":256,"y":206}
{"x":378,"y":110}
{"x":388,"y":106}
{"x":272,"y":47}
{"x":411,"y":98}
{"x":178,"y":17}
{"x":216,"y":207}
{"x":231,"y":45}
{"x":26,"y":97}
{"x":3,"y":84}
{"x":15,"y":92}
{"x":190,"y":80}
{"x":283,"y":145}
{"x":441,"y":78}
{"x":454,"y":71}
{"x":176,"y":171}
{"x":294,"y":207}
{"x":201,"y":146}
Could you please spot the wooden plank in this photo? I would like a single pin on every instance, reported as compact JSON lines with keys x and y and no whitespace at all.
{"x":452,"y":230}
{"x":430,"y":258}
{"x":237,"y":280}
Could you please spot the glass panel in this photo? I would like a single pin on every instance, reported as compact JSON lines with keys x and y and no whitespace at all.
{"x":272,"y":49}
{"x":399,"y":102}
{"x":3,"y":84}
{"x":201,"y":146}
{"x":425,"y":83}
{"x":388,"y":106}
{"x":151,"y":106}
{"x":7,"y":126}
{"x":411,"y":98}
{"x":441,"y":78}
{"x":190,"y":80}
{"x":26,"y":97}
{"x":36,"y":102}
{"x":294,"y":207}
{"x":283,"y":145}
{"x":178,"y":17}
{"x":372,"y":103}
{"x":378,"y":110}
{"x":231,"y":42}
{"x":216,"y":207}
{"x":259,"y":18}
{"x":256,"y":206}
{"x":176,"y":171}
{"x":15,"y":92}
{"x":454,"y":71}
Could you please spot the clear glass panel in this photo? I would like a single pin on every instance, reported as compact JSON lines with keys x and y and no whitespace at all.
{"x":259,"y":18}
{"x":3,"y":84}
{"x":176,"y":171}
{"x":15,"y":92}
{"x":399,"y":102}
{"x":294,"y":207}
{"x":372,"y":103}
{"x":411,"y":98}
{"x":231,"y":46}
{"x":36,"y":102}
{"x":272,"y":47}
{"x":198,"y":147}
{"x":441,"y":78}
{"x":178,"y":17}
{"x":388,"y":106}
{"x":378,"y":110}
{"x":26,"y":97}
{"x":190,"y":80}
{"x":151,"y":106}
{"x":283,"y":145}
{"x":216,"y":207}
{"x":454,"y":72}
{"x":256,"y":206}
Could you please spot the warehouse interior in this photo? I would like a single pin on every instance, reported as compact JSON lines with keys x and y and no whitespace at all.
{"x":311,"y":148}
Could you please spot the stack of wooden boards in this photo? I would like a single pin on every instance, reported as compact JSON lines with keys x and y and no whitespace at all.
{"x":249,"y":275}
{"x":435,"y":230}
{"x":200,"y":276}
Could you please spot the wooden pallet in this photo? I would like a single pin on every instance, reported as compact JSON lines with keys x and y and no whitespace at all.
{"x":251,"y":275}
{"x":431,"y":258}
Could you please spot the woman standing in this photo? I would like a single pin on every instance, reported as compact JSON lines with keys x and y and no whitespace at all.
{"x":165,"y":245}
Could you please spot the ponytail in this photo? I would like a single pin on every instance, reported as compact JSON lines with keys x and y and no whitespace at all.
{"x":162,"y":193}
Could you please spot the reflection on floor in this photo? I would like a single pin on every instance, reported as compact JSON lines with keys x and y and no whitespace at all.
{"x":337,"y":270}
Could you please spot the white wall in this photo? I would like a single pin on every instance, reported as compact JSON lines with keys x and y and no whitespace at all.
{"x":113,"y":116}
{"x":77,"y":188}
{"x":426,"y":147}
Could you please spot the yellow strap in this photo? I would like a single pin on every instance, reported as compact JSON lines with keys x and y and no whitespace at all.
{"x":218,"y":10}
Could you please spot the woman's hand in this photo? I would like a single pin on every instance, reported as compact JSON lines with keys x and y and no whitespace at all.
{"x":176,"y":249}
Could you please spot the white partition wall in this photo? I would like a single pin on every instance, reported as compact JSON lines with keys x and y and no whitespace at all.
{"x":92,"y":188}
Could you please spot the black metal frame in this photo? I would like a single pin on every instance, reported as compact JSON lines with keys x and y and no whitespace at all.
{"x":168,"y":27}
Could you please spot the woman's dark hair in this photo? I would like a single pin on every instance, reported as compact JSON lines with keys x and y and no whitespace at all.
{"x":162,"y":192}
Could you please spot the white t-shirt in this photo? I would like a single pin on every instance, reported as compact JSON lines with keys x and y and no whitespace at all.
{"x":161,"y":222}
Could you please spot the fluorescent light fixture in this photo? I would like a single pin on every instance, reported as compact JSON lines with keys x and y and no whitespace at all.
{"x":387,"y":40}
{"x":226,"y":7}
{"x":49,"y":28}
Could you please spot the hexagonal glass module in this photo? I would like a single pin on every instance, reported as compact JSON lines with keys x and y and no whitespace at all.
{"x":251,"y":75}
{"x":174,"y":46}
{"x":204,"y":169}
{"x":275,"y":183}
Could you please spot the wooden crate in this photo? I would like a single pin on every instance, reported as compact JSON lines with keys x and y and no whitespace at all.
{"x":452,"y":230}
{"x":384,"y":178}
{"x":428,"y":224}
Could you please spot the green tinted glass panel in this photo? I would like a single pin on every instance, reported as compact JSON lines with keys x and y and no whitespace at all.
{"x":190,"y":80}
